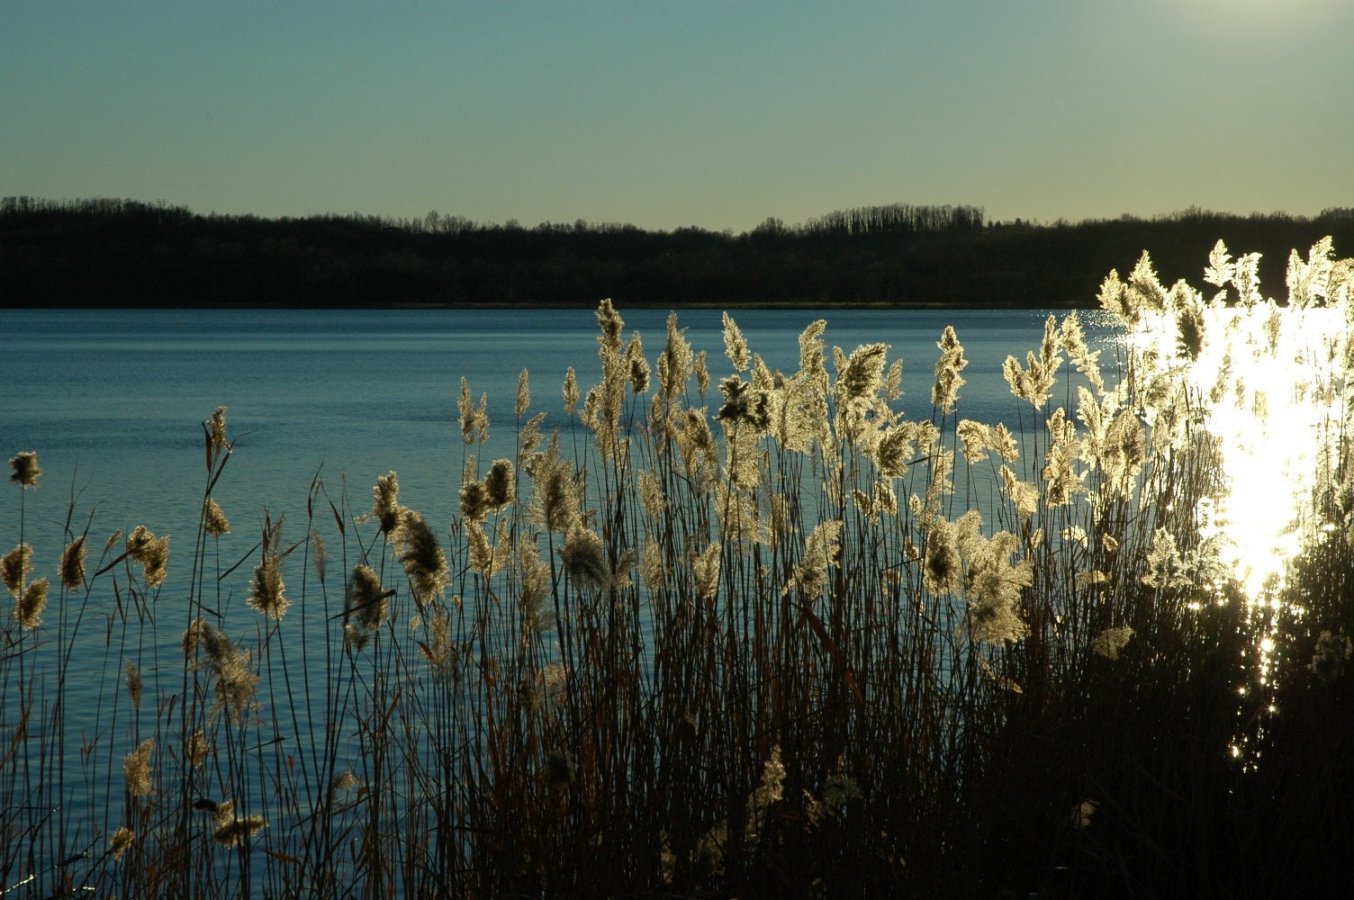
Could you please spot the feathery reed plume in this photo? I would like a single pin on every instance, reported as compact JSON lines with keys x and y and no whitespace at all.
{"x":72,"y":565}
{"x":1024,"y":495}
{"x":702,"y":371}
{"x":1063,"y":480}
{"x":611,"y":325}
{"x":366,"y":598}
{"x":535,"y":589}
{"x":862,"y":377}
{"x":216,"y":429}
{"x":1082,"y":356}
{"x":232,"y":830}
{"x":342,"y":783}
{"x":386,"y":502}
{"x":705,"y":568}
{"x":1111,"y":641}
{"x":120,"y":842}
{"x":214,"y":520}
{"x":975,"y":439}
{"x":197,"y":749}
{"x":943,"y":567}
{"x":653,"y":566}
{"x":422,"y":556}
{"x":441,"y":651}
{"x":584,"y":558}
{"x":152,"y":552}
{"x":134,"y":683}
{"x":945,"y":392}
{"x":26,"y":470}
{"x":501,"y":483}
{"x":266,"y":589}
{"x":474,"y":501}
{"x":637,"y":364}
{"x":15,"y":567}
{"x":769,"y":791}
{"x":570,"y":391}
{"x":523,"y":394}
{"x":820,"y":551}
{"x":236,"y":680}
{"x":993,"y":586}
{"x":742,"y":403}
{"x":31,"y":605}
{"x":554,"y":499}
{"x":465,"y":408}
{"x":676,"y":363}
{"x":735,"y":345}
{"x":136,"y":769}
{"x":651,"y":494}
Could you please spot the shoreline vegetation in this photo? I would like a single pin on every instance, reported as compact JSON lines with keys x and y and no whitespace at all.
{"x":744,"y":632}
{"x":126,"y":253}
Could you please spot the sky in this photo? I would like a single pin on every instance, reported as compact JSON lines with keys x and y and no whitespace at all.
{"x":670,"y":114}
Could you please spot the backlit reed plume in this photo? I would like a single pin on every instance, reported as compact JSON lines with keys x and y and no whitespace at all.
{"x":25,"y":470}
{"x":31,"y":605}
{"x":993,"y":586}
{"x":152,"y":552}
{"x":120,"y":842}
{"x":197,"y":749}
{"x":15,"y":567}
{"x":1110,"y":642}
{"x":523,"y":394}
{"x":216,"y":429}
{"x":267,"y":591}
{"x":636,"y":364}
{"x":570,"y":391}
{"x":236,"y":681}
{"x":232,"y":830}
{"x":72,"y":565}
{"x":743,"y":403}
{"x":584,"y":558}
{"x":735,"y":345}
{"x":501,"y":483}
{"x":474,"y":501}
{"x":820,"y":551}
{"x":366,"y":598}
{"x":421,"y":555}
{"x":705,"y":568}
{"x":214,"y":520}
{"x":945,"y":392}
{"x":675,"y":363}
{"x":554,"y":499}
{"x":611,"y":325}
{"x":385,"y":505}
{"x":136,"y":769}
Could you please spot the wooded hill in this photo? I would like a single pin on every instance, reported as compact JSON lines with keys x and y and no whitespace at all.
{"x":101,"y":253}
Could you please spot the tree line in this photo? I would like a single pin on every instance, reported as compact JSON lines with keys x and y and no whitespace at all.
{"x":109,"y":252}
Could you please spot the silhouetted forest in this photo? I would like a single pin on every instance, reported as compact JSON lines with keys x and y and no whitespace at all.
{"x":127,"y":253}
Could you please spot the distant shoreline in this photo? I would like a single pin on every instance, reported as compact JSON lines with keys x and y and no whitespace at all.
{"x":93,"y":254}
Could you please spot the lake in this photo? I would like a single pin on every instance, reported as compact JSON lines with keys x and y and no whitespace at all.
{"x":112,"y":401}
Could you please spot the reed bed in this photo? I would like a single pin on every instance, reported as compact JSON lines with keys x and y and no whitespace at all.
{"x":759,"y":637}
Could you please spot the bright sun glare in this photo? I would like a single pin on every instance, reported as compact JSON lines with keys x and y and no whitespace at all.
{"x":1267,"y":383}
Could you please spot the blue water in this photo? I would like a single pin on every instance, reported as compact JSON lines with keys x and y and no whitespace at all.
{"x":113,"y":400}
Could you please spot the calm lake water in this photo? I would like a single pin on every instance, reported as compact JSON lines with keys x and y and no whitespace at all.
{"x":113,"y":400}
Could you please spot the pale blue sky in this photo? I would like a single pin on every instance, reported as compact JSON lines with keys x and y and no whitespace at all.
{"x":716,"y":114}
